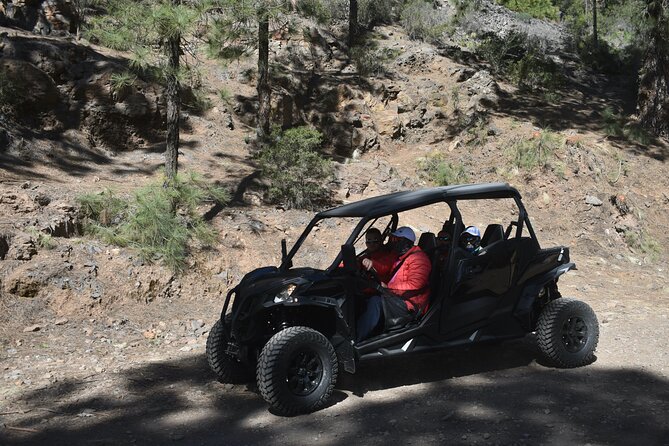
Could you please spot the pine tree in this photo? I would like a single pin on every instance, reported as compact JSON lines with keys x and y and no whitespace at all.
{"x":154,"y":32}
{"x":352,"y":21}
{"x":653,"y":97}
{"x":240,"y":26}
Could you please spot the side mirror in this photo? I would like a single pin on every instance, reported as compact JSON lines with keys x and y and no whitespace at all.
{"x":349,"y":260}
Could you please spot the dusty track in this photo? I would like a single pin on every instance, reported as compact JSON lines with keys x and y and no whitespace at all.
{"x":119,"y":387}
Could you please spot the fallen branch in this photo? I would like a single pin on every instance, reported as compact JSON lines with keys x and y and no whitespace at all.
{"x":22,"y":429}
{"x":15,"y":412}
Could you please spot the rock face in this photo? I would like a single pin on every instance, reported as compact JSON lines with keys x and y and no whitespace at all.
{"x":68,"y":87}
{"x":491,"y":18}
{"x":44,"y":17}
{"x":368,"y":178}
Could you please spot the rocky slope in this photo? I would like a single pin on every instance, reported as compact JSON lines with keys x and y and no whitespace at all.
{"x":80,"y":319}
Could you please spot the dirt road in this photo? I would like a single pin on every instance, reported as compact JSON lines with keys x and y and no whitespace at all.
{"x":107,"y":382}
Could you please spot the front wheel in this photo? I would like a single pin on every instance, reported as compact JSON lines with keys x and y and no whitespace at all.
{"x":568,"y":332}
{"x":297,"y":371}
{"x":226,"y":367}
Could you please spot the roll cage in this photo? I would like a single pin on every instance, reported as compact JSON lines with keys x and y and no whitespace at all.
{"x":371,"y":209}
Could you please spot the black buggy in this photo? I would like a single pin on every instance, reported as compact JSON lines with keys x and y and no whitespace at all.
{"x":295,"y":326}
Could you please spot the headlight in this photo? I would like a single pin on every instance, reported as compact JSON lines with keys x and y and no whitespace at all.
{"x":286,"y":294}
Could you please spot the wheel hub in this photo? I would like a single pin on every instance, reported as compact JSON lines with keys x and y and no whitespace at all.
{"x":574,"y":334}
{"x":305,"y":372}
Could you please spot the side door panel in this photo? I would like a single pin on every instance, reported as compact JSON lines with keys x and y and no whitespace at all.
{"x":479,"y":283}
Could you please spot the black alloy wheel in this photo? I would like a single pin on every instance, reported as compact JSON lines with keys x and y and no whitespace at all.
{"x":568,"y":333}
{"x":574,"y":334}
{"x":297,"y":371}
{"x":305,"y":372}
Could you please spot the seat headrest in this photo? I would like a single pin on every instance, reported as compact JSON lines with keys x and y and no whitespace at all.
{"x":427,"y":241}
{"x":493,"y":233}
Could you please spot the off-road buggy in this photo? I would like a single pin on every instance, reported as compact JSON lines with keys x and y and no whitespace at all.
{"x":295,"y":326}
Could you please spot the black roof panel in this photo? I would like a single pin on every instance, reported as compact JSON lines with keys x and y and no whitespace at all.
{"x":404,"y":201}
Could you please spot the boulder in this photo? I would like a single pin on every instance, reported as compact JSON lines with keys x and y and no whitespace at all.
{"x":354,"y":131}
{"x":22,"y":248}
{"x":38,"y":91}
{"x":361,"y":179}
{"x":42,"y":16}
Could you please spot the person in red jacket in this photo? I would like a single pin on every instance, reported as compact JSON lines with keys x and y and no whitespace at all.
{"x":407,"y":291}
{"x":378,"y":257}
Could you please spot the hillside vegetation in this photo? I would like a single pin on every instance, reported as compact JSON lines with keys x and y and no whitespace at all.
{"x":431,"y":93}
{"x":153,"y":152}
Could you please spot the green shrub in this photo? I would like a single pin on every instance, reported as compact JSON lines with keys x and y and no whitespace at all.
{"x":499,"y":52}
{"x":534,"y":72}
{"x":617,"y":126}
{"x":522,"y":61}
{"x":197,"y":101}
{"x":642,"y":242}
{"x":159,"y":220}
{"x":295,"y":170}
{"x":477,"y":132}
{"x":315,"y":9}
{"x":104,"y":208}
{"x":225,"y":95}
{"x":41,"y":239}
{"x":438,"y":171}
{"x":613,"y":122}
{"x":541,"y":9}
{"x":376,"y":12}
{"x":537,"y":151}
{"x":422,"y":21}
{"x":371,"y":60}
{"x":121,"y":81}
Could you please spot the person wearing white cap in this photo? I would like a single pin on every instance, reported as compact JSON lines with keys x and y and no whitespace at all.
{"x":470,"y":240}
{"x":405,"y":297}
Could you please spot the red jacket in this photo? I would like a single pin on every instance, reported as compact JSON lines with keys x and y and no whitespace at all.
{"x":413,"y":275}
{"x":383,"y":262}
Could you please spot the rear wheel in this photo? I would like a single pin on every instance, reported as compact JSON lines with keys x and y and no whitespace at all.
{"x":226,"y":367}
{"x":297,"y":371}
{"x":568,"y":332}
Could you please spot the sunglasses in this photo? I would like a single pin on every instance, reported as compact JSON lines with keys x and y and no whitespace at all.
{"x":369,"y":242}
{"x":445,"y":238}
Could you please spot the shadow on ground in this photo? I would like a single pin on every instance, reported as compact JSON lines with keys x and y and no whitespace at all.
{"x":491,"y":395}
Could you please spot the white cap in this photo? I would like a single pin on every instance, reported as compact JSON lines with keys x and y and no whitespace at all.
{"x":473,"y":230}
{"x":405,"y":232}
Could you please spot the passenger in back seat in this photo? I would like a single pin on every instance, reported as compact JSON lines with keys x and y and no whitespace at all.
{"x":443,"y":247}
{"x":470,"y":240}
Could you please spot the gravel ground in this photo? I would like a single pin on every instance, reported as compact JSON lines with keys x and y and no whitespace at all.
{"x":113,"y":381}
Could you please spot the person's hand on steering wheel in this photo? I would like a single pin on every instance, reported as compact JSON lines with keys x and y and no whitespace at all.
{"x":368,"y":270}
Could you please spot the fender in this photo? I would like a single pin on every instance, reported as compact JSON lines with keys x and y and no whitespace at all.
{"x":227,"y":302}
{"x":533,"y":287}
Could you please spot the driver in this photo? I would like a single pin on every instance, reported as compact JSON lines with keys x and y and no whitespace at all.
{"x":405,"y":296}
{"x":378,"y":257}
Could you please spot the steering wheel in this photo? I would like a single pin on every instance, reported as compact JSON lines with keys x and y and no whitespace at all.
{"x":370,"y":274}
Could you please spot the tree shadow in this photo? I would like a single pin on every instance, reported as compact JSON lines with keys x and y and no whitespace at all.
{"x":105,"y":123}
{"x":492,"y":394}
{"x":583,"y":106}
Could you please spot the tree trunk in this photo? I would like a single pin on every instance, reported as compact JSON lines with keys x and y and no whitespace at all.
{"x":173,"y":107}
{"x":264,"y":90}
{"x":594,"y":24}
{"x":352,"y":22}
{"x":653,"y":97}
